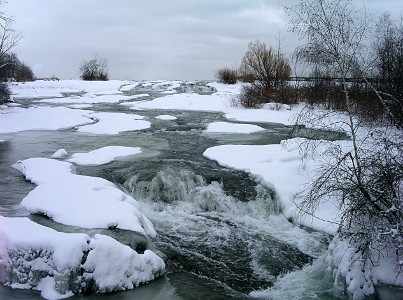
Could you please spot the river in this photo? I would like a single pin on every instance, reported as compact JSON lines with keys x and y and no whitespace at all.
{"x":220,"y":231}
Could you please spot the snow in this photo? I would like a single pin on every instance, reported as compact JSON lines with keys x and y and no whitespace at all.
{"x":166,"y":117}
{"x":225,"y":127}
{"x":47,"y":89}
{"x":103,"y":155}
{"x":186,"y":101}
{"x":221,"y":102}
{"x":41,"y":118}
{"x":17,"y":233}
{"x":59,"y":153}
{"x":278,"y":166}
{"x":114,"y":123}
{"x":129,"y":86}
{"x":114,"y":267}
{"x":88,"y":98}
{"x":38,"y":257}
{"x":77,"y":200}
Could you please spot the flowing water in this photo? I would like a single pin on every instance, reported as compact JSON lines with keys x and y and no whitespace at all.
{"x":221,"y":231}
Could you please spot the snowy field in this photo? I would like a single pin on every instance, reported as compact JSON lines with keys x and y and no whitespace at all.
{"x":91,"y":202}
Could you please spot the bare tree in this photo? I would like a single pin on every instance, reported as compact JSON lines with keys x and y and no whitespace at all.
{"x":265,"y":64}
{"x":8,"y":39}
{"x":94,"y":69}
{"x":364,"y":180}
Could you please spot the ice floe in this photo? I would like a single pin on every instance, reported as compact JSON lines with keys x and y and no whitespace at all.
{"x":114,"y":123}
{"x":77,"y":200}
{"x":225,"y":127}
{"x":102,"y":155}
{"x":42,"y":118}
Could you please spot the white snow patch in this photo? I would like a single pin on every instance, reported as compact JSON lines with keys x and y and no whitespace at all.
{"x":278,"y":165}
{"x":225,"y":127}
{"x":115,"y":267}
{"x":114,"y":123}
{"x":88,"y":98}
{"x":103,"y":155}
{"x":48,"y":89}
{"x":59,"y":153}
{"x":77,"y":200}
{"x":41,"y":118}
{"x":166,"y":117}
{"x":38,"y":257}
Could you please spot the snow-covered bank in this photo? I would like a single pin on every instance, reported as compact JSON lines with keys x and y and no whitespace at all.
{"x":222,"y":101}
{"x":279,"y":166}
{"x":102,"y":155}
{"x":63,"y":264}
{"x":77,"y":200}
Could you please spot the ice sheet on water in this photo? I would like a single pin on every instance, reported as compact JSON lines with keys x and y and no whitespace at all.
{"x":77,"y":200}
{"x":42,"y":118}
{"x":103,"y":155}
{"x":62,"y":264}
{"x":114,"y":123}
{"x":225,"y":127}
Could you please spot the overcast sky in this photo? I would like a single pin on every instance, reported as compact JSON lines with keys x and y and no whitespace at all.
{"x":151,"y":39}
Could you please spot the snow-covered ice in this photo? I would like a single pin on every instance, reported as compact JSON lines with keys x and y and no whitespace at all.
{"x":102,"y":155}
{"x":47,"y":89}
{"x":41,"y":118}
{"x":225,"y":127}
{"x":77,"y":200}
{"x":59,"y":153}
{"x":166,"y":117}
{"x":88,"y":98}
{"x":114,"y":123}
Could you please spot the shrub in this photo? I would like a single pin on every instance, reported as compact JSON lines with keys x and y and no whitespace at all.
{"x":4,"y":93}
{"x":227,"y":75}
{"x":94,"y":70}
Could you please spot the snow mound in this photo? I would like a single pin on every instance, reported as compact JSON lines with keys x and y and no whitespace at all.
{"x":77,"y":200}
{"x":103,"y":155}
{"x":33,"y":256}
{"x":59,"y":154}
{"x":114,"y":123}
{"x":114,"y":267}
{"x":225,"y":127}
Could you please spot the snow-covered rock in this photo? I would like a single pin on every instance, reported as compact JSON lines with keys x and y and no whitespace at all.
{"x":113,"y":266}
{"x":59,"y":264}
